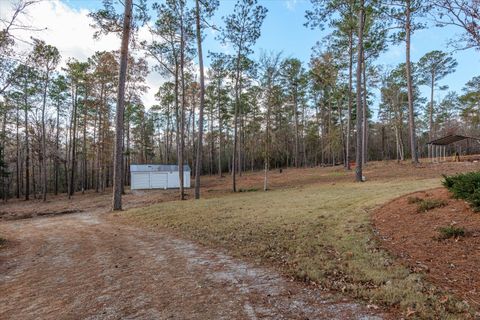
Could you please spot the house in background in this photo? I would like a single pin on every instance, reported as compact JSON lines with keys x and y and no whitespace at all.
{"x":158,"y":176}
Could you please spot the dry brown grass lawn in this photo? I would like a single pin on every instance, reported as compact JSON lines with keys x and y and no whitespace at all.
{"x":320,"y":233}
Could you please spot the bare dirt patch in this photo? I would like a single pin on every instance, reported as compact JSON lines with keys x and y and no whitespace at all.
{"x":414,"y":237}
{"x":83,"y":266}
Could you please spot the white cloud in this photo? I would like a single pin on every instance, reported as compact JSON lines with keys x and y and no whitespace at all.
{"x":70,"y":31}
{"x":291,"y":4}
{"x":66,"y":28}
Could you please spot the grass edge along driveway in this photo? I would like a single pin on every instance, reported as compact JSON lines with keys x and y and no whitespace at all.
{"x":319,"y":234}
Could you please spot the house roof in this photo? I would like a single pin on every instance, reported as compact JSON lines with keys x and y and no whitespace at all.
{"x":157,"y":167}
{"x":450,"y":139}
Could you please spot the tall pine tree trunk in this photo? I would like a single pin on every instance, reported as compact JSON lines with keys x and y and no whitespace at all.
{"x":220,"y":133}
{"x":118,"y":150}
{"x":68,"y":152}
{"x":212,"y":141}
{"x":304,"y":148}
{"x":27,"y":154}
{"x":198,"y":164}
{"x":267,"y":144}
{"x":295,"y":115}
{"x":431,"y":133}
{"x":17,"y":162}
{"x":44,"y":144}
{"x":94,"y":143}
{"x":74,"y":145}
{"x":57,"y":150}
{"x":359,"y":149}
{"x":128,"y":158}
{"x":408,"y":66}
{"x":182,"y":111}
{"x":84,"y":149}
{"x":350,"y":99}
{"x":235,"y":126}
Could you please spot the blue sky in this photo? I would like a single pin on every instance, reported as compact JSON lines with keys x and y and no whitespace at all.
{"x":283,"y":30}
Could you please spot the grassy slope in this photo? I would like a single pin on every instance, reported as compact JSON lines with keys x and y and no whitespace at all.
{"x":318,"y":233}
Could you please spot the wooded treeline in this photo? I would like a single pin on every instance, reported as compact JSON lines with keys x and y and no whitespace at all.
{"x":255,"y":112}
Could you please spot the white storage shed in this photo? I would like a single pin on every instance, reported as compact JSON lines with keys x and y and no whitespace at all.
{"x":158,"y":176}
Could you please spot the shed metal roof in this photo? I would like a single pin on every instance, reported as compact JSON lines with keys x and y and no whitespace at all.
{"x":450,"y":139}
{"x":157,"y":167}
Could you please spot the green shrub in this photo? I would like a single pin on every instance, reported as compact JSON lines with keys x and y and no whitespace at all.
{"x":451,"y":232}
{"x":429,"y":204}
{"x":465,"y":186}
{"x":448,"y":181}
{"x":474,"y":200}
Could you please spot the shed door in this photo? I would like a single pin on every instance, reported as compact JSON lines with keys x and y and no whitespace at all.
{"x":140,"y":180}
{"x":158,"y":180}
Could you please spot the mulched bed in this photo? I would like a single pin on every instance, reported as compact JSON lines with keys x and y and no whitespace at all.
{"x":451,"y":264}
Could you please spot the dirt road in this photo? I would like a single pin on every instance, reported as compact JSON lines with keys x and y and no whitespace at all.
{"x":82,"y":266}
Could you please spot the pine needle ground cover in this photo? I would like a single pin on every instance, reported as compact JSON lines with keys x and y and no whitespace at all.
{"x":320,"y":234}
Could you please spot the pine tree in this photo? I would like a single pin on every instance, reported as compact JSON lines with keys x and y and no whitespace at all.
{"x":433,"y":67}
{"x":242,"y":29}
